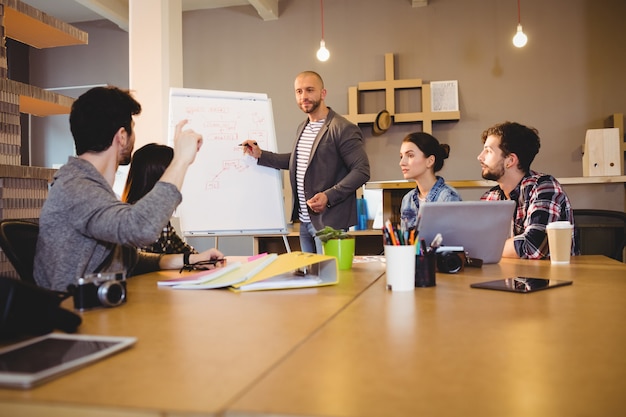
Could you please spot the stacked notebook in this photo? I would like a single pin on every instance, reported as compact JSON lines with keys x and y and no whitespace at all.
{"x":263,"y":272}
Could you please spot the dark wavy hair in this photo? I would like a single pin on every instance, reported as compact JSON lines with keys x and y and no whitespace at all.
{"x":429,"y":145}
{"x":515,"y":138}
{"x":98,"y":114}
{"x":146,"y":168}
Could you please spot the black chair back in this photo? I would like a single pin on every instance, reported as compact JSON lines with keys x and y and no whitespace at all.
{"x":18,"y":239}
{"x":601,"y":232}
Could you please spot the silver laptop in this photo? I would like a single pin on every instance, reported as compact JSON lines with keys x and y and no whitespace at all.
{"x":481,"y":227}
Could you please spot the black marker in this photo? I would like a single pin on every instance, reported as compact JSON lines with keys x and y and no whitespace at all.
{"x":247,"y":145}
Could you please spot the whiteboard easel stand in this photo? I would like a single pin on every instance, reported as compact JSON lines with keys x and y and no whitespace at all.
{"x":287,"y":247}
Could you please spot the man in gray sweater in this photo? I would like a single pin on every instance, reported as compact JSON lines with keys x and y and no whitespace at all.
{"x":84,"y":227}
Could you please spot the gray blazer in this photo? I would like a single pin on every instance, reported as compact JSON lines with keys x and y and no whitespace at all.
{"x":338,"y":166}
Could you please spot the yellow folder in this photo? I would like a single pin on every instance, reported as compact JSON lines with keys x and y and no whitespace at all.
{"x":293,"y":270}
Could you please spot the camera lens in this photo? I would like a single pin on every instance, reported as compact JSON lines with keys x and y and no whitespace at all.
{"x":449,"y":262}
{"x":111,"y":293}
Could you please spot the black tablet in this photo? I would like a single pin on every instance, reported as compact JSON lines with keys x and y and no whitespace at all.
{"x":27,"y":364}
{"x":521,"y":284}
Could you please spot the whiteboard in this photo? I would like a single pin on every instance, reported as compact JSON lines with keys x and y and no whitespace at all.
{"x":225,"y":192}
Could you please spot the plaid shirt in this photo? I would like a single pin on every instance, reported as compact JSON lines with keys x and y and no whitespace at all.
{"x":169,"y":242}
{"x":540,"y":199}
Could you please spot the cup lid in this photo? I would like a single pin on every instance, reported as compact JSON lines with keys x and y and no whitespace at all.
{"x":561,"y":224}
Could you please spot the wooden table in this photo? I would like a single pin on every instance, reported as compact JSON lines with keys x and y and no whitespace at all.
{"x":356,"y":349}
{"x":196,"y":350}
{"x":452,"y":350}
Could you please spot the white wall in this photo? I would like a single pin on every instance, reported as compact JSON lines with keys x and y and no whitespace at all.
{"x":103,"y":61}
{"x":568,"y":78}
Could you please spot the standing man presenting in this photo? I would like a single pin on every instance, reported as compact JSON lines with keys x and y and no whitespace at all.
{"x":327,"y":165}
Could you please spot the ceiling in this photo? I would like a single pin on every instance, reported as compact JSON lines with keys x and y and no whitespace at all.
{"x":73,"y":11}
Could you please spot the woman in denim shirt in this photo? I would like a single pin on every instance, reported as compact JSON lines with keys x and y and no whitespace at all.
{"x":421,"y":155}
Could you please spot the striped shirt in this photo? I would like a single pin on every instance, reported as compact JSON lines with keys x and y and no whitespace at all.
{"x":303,"y":154}
{"x":540,"y":199}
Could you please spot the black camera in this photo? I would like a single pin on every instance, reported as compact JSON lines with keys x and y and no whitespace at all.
{"x":451,"y":261}
{"x":105,"y":289}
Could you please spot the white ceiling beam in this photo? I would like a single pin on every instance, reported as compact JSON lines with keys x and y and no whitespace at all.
{"x":114,"y":10}
{"x":267,"y":9}
{"x":189,"y":5}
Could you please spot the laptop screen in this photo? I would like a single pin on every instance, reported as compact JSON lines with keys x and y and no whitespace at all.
{"x":481,"y":227}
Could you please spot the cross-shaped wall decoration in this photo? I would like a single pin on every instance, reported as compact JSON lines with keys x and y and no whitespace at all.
{"x":427,"y":115}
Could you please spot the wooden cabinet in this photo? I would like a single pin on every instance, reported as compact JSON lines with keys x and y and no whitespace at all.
{"x":368,"y":242}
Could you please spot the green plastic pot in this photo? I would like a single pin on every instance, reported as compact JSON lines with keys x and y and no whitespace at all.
{"x":342,"y":249}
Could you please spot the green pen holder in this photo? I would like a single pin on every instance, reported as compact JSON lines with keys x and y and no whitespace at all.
{"x":343,"y":250}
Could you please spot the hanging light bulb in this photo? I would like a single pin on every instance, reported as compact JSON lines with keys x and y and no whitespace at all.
{"x":520,"y":38}
{"x":323,"y":54}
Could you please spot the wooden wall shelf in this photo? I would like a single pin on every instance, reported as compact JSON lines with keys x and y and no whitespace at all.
{"x":389,"y":86}
{"x":405,"y":184}
{"x":19,"y":171}
{"x":36,"y":101}
{"x":33,"y":27}
{"x":393,"y":191}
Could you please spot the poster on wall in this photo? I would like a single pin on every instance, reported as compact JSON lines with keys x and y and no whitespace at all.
{"x":444,"y":96}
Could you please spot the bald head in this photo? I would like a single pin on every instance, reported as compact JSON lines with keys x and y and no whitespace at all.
{"x":310,"y":94}
{"x":312,"y":75}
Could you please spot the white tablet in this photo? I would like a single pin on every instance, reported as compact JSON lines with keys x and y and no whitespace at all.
{"x":35,"y":361}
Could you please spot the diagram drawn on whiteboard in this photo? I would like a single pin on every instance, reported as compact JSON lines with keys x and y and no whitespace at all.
{"x":225,"y":191}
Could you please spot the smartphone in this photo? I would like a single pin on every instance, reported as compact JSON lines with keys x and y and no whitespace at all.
{"x":521,"y":284}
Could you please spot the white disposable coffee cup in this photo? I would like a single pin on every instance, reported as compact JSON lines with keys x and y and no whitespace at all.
{"x":560,"y":241}
{"x":400,"y":267}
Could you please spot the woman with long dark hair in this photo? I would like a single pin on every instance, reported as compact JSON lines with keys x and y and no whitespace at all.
{"x":146,"y":168}
{"x":421,"y":156}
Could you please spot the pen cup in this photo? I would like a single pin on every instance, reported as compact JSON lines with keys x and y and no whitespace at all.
{"x":400,"y":267}
{"x":425,"y":268}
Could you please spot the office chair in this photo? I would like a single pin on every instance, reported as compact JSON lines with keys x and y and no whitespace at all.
{"x":18,"y":239}
{"x":600,"y":232}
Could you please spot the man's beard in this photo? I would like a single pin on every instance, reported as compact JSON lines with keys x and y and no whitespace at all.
{"x":494,"y":175}
{"x":315,"y":106}
{"x":126,"y":156}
